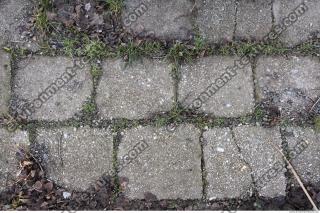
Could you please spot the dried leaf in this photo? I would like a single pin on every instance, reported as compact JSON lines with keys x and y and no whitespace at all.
{"x":26,"y":163}
{"x":38,"y":186}
{"x":48,"y":186}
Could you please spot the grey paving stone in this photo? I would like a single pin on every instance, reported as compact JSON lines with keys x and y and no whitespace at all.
{"x":266,"y":162}
{"x":164,"y":163}
{"x":233,"y":97}
{"x":163,"y":19}
{"x":5,"y":77}
{"x":75,"y":158}
{"x":305,"y":27}
{"x":216,"y":19}
{"x":290,"y":83}
{"x":228,"y":176}
{"x":254,"y":19}
{"x":9,"y":143}
{"x":304,"y":150}
{"x":55,"y":87}
{"x":14,"y":15}
{"x":135,"y":91}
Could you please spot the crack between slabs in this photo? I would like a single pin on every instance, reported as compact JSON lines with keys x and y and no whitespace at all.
{"x":203,"y":168}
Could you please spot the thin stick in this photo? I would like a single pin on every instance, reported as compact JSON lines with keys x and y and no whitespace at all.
{"x":296,"y":176}
{"x":315,"y":104}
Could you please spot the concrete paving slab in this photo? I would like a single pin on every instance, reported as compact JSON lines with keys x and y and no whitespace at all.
{"x":268,"y":167}
{"x":9,"y":143}
{"x":301,"y":18}
{"x":75,"y":158}
{"x":228,"y":176}
{"x":289,"y":83}
{"x":165,"y":164}
{"x":304,"y":151}
{"x":208,"y":86}
{"x":5,"y":78}
{"x":216,"y":19}
{"x":254,"y":19}
{"x":162,"y":19}
{"x":135,"y":91}
{"x":52,"y":88}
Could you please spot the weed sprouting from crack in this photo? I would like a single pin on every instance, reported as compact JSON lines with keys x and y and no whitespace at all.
{"x":317,"y":123}
{"x":115,"y":6}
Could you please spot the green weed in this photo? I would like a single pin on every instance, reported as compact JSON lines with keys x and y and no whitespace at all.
{"x":115,"y":5}
{"x":317,"y":123}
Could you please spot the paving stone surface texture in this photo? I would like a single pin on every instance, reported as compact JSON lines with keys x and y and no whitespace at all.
{"x":159,"y":19}
{"x":216,"y":19}
{"x":9,"y":144}
{"x":228,"y":175}
{"x":136,"y":133}
{"x":305,"y":26}
{"x":290,"y":83}
{"x":135,"y":91}
{"x":5,"y":76}
{"x":254,"y":19}
{"x":304,"y":149}
{"x":170,"y":166}
{"x":257,"y":146}
{"x":233,"y":95}
{"x":75,"y":158}
{"x":14,"y":15}
{"x":54,"y":85}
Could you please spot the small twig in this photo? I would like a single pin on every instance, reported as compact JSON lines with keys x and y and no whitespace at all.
{"x":315,"y":104}
{"x":295,"y":175}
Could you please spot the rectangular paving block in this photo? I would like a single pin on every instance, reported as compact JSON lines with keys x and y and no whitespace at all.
{"x":304,"y":149}
{"x":267,"y":165}
{"x":289,"y":83}
{"x":51,"y":88}
{"x":162,"y":19}
{"x":9,"y":143}
{"x":13,"y":16}
{"x":216,"y":19}
{"x":228,"y":176}
{"x":5,"y":77}
{"x":166,"y":164}
{"x":300,"y":18}
{"x":254,"y":19}
{"x":210,"y":86}
{"x":75,"y":158}
{"x":135,"y":91}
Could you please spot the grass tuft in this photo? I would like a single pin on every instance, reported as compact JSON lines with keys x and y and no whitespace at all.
{"x":180,"y":53}
{"x":89,"y":108}
{"x":41,"y":21}
{"x":69,"y":47}
{"x":95,"y":71}
{"x":115,"y":5}
{"x":94,"y":49}
{"x":317,"y":123}
{"x":259,"y":113}
{"x":130,"y":52}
